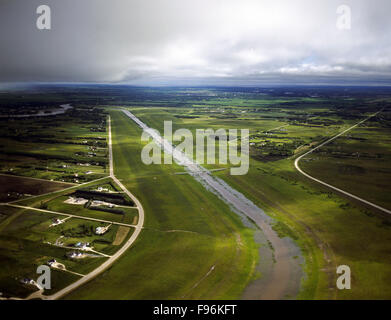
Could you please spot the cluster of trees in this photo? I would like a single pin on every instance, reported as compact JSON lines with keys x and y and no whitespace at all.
{"x":81,"y":231}
{"x":271,"y":150}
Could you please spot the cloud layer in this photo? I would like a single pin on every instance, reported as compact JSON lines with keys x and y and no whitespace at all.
{"x":223,"y":42}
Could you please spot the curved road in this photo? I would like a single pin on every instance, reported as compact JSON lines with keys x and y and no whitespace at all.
{"x":114,"y":257}
{"x":329,"y":185}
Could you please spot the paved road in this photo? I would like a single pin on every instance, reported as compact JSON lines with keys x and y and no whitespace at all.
{"x":329,"y":185}
{"x":121,"y":251}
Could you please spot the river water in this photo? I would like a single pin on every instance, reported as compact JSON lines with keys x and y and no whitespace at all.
{"x":63,"y":108}
{"x":279,"y":265}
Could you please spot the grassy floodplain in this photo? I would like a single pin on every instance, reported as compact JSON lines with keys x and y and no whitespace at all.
{"x":192,"y":245}
{"x":357,"y":162}
{"x":188,"y":232}
{"x":332,"y":230}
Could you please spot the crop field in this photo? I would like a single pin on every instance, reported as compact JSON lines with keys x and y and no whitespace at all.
{"x":192,"y":244}
{"x":14,"y":187}
{"x":275,"y":133}
{"x":29,"y":239}
{"x":358,"y":162}
{"x":67,"y":148}
{"x":57,"y":204}
{"x":187,"y":232}
{"x":328,"y":227}
{"x":20,"y":255}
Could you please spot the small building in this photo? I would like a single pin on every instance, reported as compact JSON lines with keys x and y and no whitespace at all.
{"x":82,"y":245}
{"x":74,"y":254}
{"x":101,"y":230}
{"x":51,"y":262}
{"x":27,"y":281}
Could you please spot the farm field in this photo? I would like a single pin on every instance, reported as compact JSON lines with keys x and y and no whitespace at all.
{"x":320,"y":221}
{"x":195,"y":159}
{"x":54,"y":234}
{"x":68,"y":148}
{"x":14,"y":187}
{"x":329,"y":229}
{"x":187,"y":232}
{"x":42,"y":220}
{"x":358,"y":162}
{"x":192,"y":244}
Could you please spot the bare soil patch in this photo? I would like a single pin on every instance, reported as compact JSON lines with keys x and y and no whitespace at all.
{"x":14,"y":187}
{"x":122,"y":232}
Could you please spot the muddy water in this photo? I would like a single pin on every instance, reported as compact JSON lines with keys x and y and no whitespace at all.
{"x":280,"y":259}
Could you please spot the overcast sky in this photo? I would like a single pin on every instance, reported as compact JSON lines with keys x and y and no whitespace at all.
{"x":196,"y":42}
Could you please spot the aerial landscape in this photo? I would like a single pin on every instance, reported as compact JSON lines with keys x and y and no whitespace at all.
{"x":189,"y":175}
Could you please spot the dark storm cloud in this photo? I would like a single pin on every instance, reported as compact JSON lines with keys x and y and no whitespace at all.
{"x":195,"y":42}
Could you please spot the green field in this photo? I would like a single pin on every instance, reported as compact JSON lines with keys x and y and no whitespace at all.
{"x":69,"y":147}
{"x":57,"y":204}
{"x":28,"y":238}
{"x":187,"y":232}
{"x":328,"y":228}
{"x":358,"y":162}
{"x":192,"y":245}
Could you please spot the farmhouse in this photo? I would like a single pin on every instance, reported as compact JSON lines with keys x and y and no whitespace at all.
{"x":56,"y":222}
{"x":101,"y":230}
{"x":27,"y":281}
{"x":76,"y":200}
{"x":51,"y":262}
{"x":82,"y":245}
{"x":74,"y":254}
